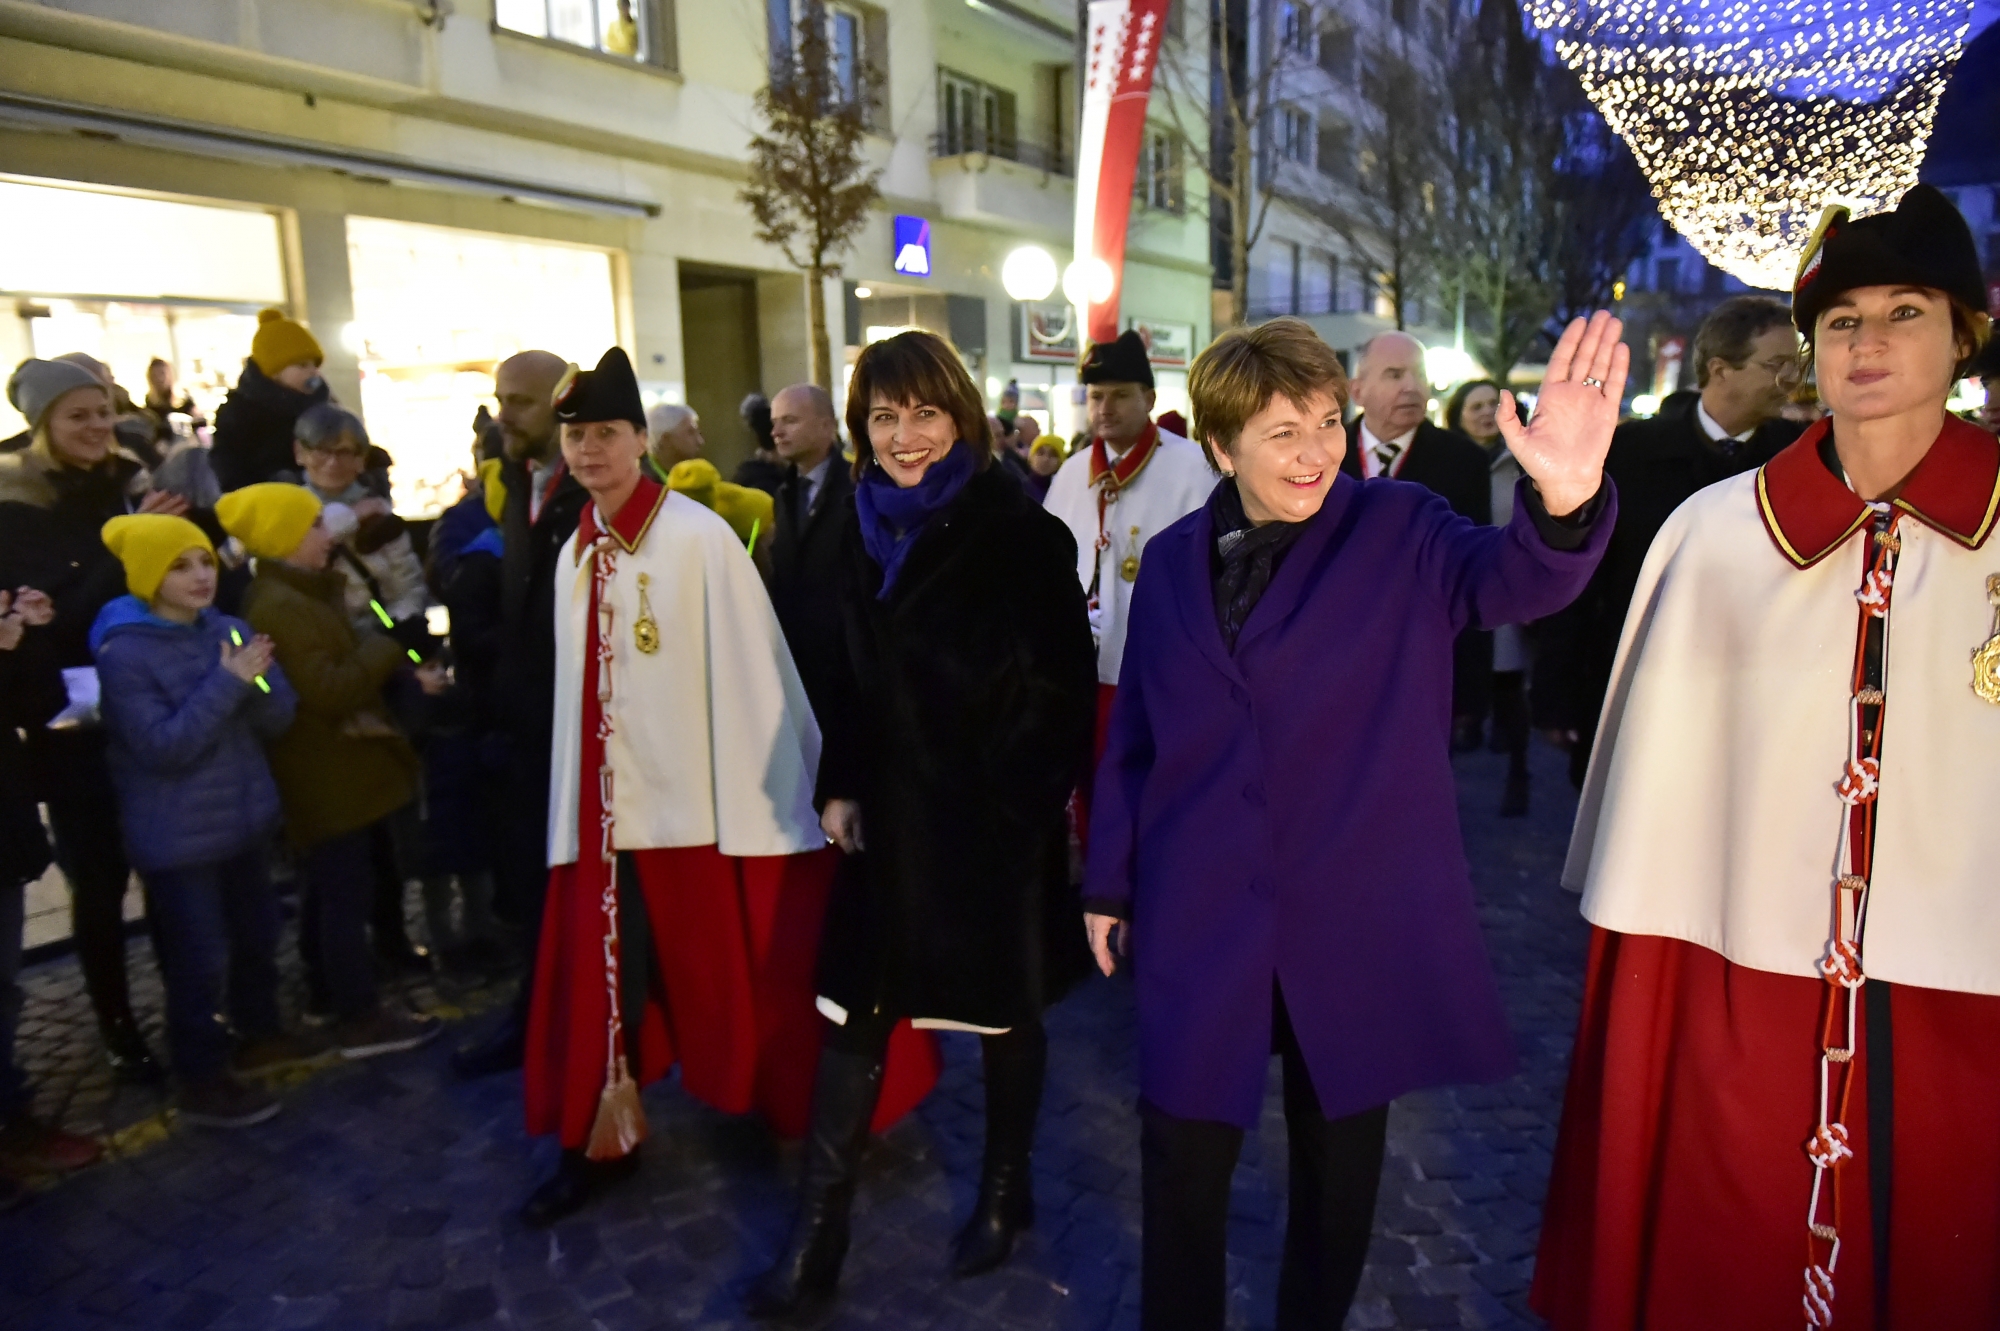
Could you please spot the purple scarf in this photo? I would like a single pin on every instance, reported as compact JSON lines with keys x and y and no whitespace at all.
{"x":892,"y":517}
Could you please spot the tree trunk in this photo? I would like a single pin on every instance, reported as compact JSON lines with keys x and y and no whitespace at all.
{"x":822,"y":349}
{"x":1239,"y":230}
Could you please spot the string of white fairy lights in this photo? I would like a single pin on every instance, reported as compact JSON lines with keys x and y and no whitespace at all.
{"x":1749,"y":116}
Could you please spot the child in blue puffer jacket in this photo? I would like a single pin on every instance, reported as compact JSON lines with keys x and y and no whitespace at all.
{"x":189,"y":695}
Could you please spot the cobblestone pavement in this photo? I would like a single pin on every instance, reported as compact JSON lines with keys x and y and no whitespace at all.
{"x":383,"y":1195}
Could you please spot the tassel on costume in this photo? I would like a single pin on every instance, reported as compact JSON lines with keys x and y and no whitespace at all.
{"x":620,"y":1124}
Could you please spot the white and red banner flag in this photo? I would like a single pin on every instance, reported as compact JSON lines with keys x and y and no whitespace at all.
{"x":1124,"y":45}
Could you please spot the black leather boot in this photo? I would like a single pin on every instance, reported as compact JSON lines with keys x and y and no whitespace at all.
{"x":577,"y":1179}
{"x":1016,"y":1066}
{"x":131,"y":1060}
{"x":808,"y":1270}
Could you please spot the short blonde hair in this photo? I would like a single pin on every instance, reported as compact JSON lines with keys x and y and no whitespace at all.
{"x":1238,"y":374}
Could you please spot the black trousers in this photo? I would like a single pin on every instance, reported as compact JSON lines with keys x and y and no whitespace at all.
{"x":1511,"y":725}
{"x":90,"y":848}
{"x":1186,"y":1164}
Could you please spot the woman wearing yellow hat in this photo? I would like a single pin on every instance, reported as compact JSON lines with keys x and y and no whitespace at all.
{"x":190,"y":696}
{"x":343,"y":766}
{"x":281,"y":379}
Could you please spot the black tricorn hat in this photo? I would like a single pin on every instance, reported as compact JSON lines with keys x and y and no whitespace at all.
{"x":608,"y":393}
{"x":1924,"y":242}
{"x":1119,"y":361}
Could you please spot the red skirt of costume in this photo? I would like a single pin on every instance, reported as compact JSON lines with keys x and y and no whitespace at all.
{"x":736,"y":947}
{"x":1680,"y":1183}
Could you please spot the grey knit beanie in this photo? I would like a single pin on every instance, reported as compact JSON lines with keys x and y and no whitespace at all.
{"x":36,"y":384}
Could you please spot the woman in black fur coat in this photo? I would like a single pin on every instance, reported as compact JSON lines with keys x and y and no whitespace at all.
{"x":956,"y":733}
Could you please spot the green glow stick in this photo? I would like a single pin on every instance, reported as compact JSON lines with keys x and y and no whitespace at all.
{"x":389,"y":623}
{"x":756,"y":525}
{"x":237,"y":638}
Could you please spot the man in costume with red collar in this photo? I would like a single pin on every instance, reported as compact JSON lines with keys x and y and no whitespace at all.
{"x":689,"y":869}
{"x":1781,"y":1105}
{"x":1132,"y":481}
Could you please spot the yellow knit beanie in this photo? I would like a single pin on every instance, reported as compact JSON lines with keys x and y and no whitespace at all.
{"x":279,"y":342}
{"x":147,"y":544}
{"x":270,"y":518}
{"x":493,"y":489}
{"x":744,"y":508}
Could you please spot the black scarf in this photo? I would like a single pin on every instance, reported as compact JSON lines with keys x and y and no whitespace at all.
{"x":1246,"y":559}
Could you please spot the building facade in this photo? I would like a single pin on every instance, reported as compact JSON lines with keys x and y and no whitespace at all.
{"x":433,"y":185}
{"x":1321,"y":80}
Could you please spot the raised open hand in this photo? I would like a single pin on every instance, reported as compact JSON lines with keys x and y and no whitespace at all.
{"x":1563,"y":448}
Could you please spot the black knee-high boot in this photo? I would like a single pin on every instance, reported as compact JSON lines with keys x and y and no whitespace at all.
{"x":808,"y":1270}
{"x":1017,"y":1064}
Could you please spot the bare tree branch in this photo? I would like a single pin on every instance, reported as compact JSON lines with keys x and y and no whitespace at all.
{"x":810,"y":193}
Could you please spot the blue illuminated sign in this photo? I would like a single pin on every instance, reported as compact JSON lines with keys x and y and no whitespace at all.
{"x":913,"y":245}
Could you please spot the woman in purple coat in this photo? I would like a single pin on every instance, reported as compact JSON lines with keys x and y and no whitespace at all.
{"x":1276,"y":824}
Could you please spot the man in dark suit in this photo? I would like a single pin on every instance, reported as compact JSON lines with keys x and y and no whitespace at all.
{"x":1746,"y":355}
{"x":810,"y":502}
{"x":1393,"y":438}
{"x":542,"y":507}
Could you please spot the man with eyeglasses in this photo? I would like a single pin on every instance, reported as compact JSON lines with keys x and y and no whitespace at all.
{"x":1746,"y":355}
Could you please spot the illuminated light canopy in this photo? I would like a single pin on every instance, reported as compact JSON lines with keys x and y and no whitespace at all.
{"x":1750,"y":116}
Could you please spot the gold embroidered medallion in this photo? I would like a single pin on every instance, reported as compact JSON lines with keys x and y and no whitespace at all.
{"x":1986,"y":660}
{"x":645,"y":630}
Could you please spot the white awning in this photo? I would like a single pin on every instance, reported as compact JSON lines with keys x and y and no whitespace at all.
{"x":235,"y":145}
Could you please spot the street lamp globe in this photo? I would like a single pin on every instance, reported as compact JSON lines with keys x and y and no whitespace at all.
{"x":1029,"y":273}
{"x":1087,"y":282}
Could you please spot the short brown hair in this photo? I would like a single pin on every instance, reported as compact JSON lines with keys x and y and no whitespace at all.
{"x":916,"y":369}
{"x":1730,"y":329}
{"x":1238,"y":374}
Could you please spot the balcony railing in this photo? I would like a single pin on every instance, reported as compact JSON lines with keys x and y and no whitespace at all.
{"x":1014,"y":148}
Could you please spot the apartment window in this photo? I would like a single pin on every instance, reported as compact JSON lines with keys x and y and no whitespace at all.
{"x":1336,"y":52}
{"x":1159,"y":180}
{"x":1297,"y":257}
{"x":636,"y":30}
{"x":1333,"y":301}
{"x":1666,"y":274}
{"x":1294,"y":32}
{"x":857,"y":40}
{"x":1274,"y":281}
{"x":846,"y":39}
{"x":1315,"y":296}
{"x":974,"y":117}
{"x":1295,"y":135}
{"x":1336,"y":152}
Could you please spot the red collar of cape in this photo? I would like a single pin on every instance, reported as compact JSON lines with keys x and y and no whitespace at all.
{"x":1809,"y":512}
{"x":1115,"y":476}
{"x":629,"y":527}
